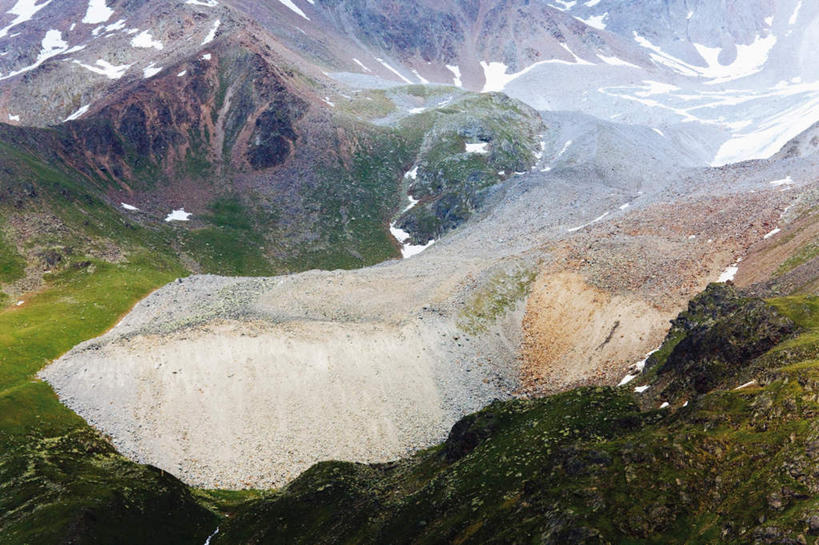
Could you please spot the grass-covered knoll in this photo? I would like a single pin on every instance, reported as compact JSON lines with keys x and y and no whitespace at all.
{"x":61,"y":482}
{"x":589,"y":466}
{"x":806,"y":253}
{"x":369,"y":105}
{"x":75,"y":305}
{"x":468,"y":147}
{"x":233,"y":243}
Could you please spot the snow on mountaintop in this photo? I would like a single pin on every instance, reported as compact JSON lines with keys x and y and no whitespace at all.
{"x":24,"y":10}
{"x":742,"y":79}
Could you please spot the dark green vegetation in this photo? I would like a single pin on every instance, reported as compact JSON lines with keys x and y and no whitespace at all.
{"x":591,"y":466}
{"x":711,"y":344}
{"x":12,"y":265}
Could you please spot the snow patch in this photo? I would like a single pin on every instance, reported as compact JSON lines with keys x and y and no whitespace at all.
{"x":145,"y":40}
{"x":595,"y":220}
{"x":24,"y":10}
{"x":79,"y":113}
{"x":767,"y":136}
{"x":294,"y":8}
{"x":637,"y":368}
{"x":408,"y":250}
{"x":178,"y":215}
{"x":393,"y":70}
{"x":151,"y":70}
{"x":98,"y":12}
{"x":421,"y":78}
{"x":206,"y":3}
{"x":729,"y":273}
{"x":783,"y":181}
{"x":495,"y":75}
{"x":746,"y":385}
{"x":481,"y":148}
{"x":52,"y":46}
{"x":14,"y":117}
{"x":563,"y":150}
{"x":361,"y":64}
{"x":207,"y":541}
{"x":595,"y":21}
{"x":615,"y":61}
{"x":411,"y":205}
{"x":772,"y":233}
{"x":456,"y":71}
{"x":641,"y":389}
{"x":750,"y":59}
{"x":129,"y":207}
{"x":212,"y":34}
{"x":105,"y":68}
{"x":565,"y":5}
{"x":114,"y":27}
{"x":207,"y":57}
{"x":795,"y":15}
{"x":182,"y":73}
{"x":497,"y":78}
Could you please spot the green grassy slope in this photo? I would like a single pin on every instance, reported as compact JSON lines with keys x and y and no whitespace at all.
{"x":61,"y":482}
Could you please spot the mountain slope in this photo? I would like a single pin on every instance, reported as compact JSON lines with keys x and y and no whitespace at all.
{"x":561,"y":225}
{"x":588,"y":466}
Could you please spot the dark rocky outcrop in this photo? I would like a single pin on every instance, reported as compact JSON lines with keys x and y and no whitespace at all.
{"x":720,"y":335}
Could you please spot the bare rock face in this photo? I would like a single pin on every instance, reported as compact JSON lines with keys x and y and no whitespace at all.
{"x":234,"y":105}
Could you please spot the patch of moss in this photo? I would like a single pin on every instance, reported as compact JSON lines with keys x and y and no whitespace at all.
{"x":495,"y":297}
{"x":368,"y":105}
{"x":12,"y":264}
{"x":356,"y":199}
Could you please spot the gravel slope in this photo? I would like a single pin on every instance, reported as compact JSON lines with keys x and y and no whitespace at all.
{"x":236,"y":382}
